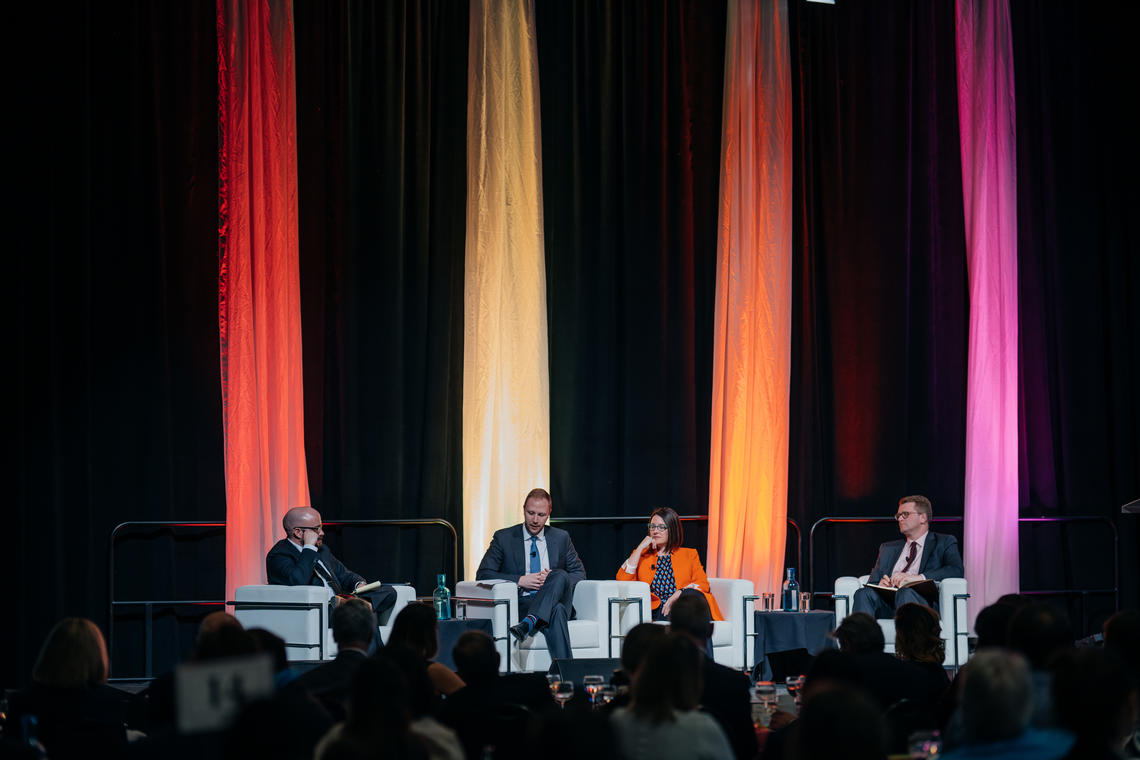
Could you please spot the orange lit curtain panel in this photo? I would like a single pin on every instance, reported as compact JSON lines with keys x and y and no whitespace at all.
{"x":748,"y":469}
{"x":259,"y":292}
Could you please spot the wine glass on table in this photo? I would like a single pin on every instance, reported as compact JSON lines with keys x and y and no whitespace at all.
{"x":563,"y":693}
{"x":593,"y":685}
{"x":609,"y":693}
{"x":552,"y":681}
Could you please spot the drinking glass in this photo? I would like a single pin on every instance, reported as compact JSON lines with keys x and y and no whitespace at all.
{"x":769,"y":602}
{"x":924,"y":744}
{"x":766,"y":699}
{"x":593,"y":685}
{"x":552,"y":681}
{"x":805,"y":602}
{"x":609,"y":693}
{"x":563,"y":693}
{"x":795,"y":686}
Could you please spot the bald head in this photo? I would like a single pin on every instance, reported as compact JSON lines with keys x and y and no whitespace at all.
{"x":303,"y":526}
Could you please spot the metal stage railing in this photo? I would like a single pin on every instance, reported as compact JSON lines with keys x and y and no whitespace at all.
{"x":1082,"y":593}
{"x":149,"y":605}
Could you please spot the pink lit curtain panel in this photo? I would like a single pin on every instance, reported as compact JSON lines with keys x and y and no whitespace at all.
{"x":987,"y":127}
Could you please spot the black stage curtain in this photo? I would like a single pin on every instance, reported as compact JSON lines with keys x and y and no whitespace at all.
{"x":1079,"y":272}
{"x":631,"y":153}
{"x":381,"y":100}
{"x":879,"y":333}
{"x":118,"y":409}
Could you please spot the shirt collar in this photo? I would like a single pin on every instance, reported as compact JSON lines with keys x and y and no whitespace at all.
{"x":541,"y":535}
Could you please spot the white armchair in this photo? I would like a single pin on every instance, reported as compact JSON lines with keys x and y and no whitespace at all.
{"x":300,"y":615}
{"x":728,"y":638}
{"x":952,"y":596}
{"x":589,"y":636}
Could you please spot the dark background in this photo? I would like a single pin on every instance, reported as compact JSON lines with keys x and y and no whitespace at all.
{"x":117,"y":415}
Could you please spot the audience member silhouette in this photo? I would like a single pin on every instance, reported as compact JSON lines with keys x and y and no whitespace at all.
{"x":918,"y":640}
{"x":417,"y":629}
{"x":726,"y":692}
{"x":1095,"y":699}
{"x":840,"y":721}
{"x":996,"y":706}
{"x":1040,"y":632}
{"x":885,"y":677}
{"x":492,"y":710}
{"x":378,"y":723}
{"x":274,"y":646}
{"x":353,"y":623}
{"x":662,"y":721}
{"x":633,"y":651}
{"x":69,"y":707}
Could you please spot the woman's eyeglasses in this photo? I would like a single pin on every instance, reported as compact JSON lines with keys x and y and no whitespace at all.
{"x":657,"y":528}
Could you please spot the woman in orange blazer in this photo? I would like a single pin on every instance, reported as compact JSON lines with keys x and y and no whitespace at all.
{"x":669,"y":568}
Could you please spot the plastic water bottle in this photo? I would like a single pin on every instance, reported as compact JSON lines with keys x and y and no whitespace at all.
{"x":791,"y":598}
{"x":442,"y":598}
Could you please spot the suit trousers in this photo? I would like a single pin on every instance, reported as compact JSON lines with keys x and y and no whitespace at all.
{"x":551,"y":605}
{"x":868,"y":600}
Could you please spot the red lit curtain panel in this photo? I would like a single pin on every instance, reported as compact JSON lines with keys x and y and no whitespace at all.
{"x":748,"y":468}
{"x":259,"y":314}
{"x":989,"y":190}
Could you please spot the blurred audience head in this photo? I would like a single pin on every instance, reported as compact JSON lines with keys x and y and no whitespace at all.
{"x":859,"y":633}
{"x":413,"y":669}
{"x":692,"y":617}
{"x":221,"y":635}
{"x":841,"y":722}
{"x":417,"y":629}
{"x":996,"y":700}
{"x":1122,"y":638}
{"x":1040,"y":632}
{"x":74,"y":656}
{"x":475,"y":656}
{"x":992,"y":625}
{"x":637,"y":643}
{"x":670,"y":679}
{"x":272,"y":645}
{"x":830,"y":669}
{"x":353,"y":623}
{"x":918,"y":634}
{"x":1094,"y":697}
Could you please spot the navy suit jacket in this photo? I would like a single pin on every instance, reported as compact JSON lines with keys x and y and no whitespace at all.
{"x":940,"y":558}
{"x":286,"y":566}
{"x":506,"y":559}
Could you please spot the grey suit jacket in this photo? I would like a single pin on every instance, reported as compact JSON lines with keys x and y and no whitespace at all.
{"x":940,"y":558}
{"x":506,"y":560}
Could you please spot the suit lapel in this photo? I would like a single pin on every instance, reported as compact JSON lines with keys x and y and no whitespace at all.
{"x":928,"y":551}
{"x":519,"y":552}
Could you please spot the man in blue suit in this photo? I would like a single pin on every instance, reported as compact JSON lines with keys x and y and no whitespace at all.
{"x":543,"y":562}
{"x":919,"y":555}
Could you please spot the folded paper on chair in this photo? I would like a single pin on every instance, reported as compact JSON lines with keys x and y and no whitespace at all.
{"x":927,"y":589}
{"x":490,"y":583}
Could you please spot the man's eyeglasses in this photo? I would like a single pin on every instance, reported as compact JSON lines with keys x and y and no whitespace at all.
{"x":903,"y":515}
{"x":657,"y":528}
{"x":314,"y":528}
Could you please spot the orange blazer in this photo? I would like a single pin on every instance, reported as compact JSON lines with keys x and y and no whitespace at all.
{"x":686,"y":569}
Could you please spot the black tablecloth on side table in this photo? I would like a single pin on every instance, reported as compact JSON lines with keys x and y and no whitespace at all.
{"x":787,"y":631}
{"x":451,"y":630}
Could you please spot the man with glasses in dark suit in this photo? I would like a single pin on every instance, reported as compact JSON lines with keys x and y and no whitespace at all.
{"x":919,"y":555}
{"x":302,"y":559}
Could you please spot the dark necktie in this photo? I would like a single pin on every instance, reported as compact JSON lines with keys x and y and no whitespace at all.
{"x":535,"y":560}
{"x":910,"y":557}
{"x":328,"y":578}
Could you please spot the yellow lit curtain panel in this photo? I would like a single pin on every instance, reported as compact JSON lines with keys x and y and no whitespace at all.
{"x":506,"y":379}
{"x":748,"y":469}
